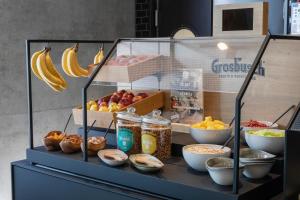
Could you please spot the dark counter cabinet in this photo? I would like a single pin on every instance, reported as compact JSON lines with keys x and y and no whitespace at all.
{"x":30,"y":182}
{"x":54,"y":175}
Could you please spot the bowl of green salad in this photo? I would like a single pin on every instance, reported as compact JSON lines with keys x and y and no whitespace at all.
{"x":269,"y":140}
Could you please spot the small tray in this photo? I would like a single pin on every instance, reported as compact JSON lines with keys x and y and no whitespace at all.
{"x":143,"y":167}
{"x":112,"y":162}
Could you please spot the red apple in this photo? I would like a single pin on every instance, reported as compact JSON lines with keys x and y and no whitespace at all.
{"x":121,"y":92}
{"x":131,"y":94}
{"x":142,"y":94}
{"x":128,"y":95}
{"x":124,"y":103}
{"x":104,"y":99}
{"x":118,"y":94}
{"x":114,"y":98}
{"x":128,"y":98}
{"x":137,"y":98}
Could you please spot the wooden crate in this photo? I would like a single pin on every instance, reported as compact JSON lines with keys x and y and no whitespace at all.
{"x":155,"y":100}
{"x":129,"y":73}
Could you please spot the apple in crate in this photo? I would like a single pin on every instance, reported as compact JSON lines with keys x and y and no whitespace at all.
{"x":143,"y":94}
{"x":128,"y":95}
{"x":136,"y":99}
{"x":104,"y":99}
{"x":139,"y":97}
{"x":124,"y":102}
{"x":121,"y":92}
{"x":119,"y":95}
{"x":114,"y":99}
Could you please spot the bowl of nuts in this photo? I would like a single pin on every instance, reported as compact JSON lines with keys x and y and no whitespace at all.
{"x":71,"y":143}
{"x":52,"y":139}
{"x":95,"y":144}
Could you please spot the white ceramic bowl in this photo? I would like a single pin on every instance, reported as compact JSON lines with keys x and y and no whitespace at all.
{"x":197,"y":160}
{"x":204,"y":136}
{"x":221,"y":170}
{"x":273,"y":145}
{"x":245,"y":128}
{"x":257,"y":170}
{"x":251,"y":155}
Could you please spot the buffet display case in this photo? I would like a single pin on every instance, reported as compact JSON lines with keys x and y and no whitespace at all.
{"x":188,"y":80}
{"x":199,"y":77}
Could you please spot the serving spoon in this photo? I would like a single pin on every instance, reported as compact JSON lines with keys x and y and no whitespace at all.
{"x":231,"y":137}
{"x":68,"y":121}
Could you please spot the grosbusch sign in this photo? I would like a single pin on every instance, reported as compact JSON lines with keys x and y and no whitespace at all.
{"x":235,"y":69}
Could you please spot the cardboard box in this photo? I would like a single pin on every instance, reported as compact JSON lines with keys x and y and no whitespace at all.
{"x":129,"y":73}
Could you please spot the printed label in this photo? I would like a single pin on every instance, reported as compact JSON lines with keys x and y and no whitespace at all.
{"x":125,"y":139}
{"x":148,"y":144}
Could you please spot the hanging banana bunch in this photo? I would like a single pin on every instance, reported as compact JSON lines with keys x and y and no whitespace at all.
{"x":71,"y":65}
{"x":44,"y":69}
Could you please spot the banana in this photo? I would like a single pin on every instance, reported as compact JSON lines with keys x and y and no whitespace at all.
{"x":52,"y":69}
{"x":96,"y":58}
{"x":43,"y":70}
{"x":33,"y":64}
{"x":99,"y":56}
{"x":64,"y":62}
{"x":74,"y":68}
{"x":56,"y":88}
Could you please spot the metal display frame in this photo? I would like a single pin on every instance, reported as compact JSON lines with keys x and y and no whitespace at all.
{"x":28,"y":74}
{"x":240,"y":96}
{"x":291,"y":181}
{"x":243,"y":89}
{"x":293,"y":118}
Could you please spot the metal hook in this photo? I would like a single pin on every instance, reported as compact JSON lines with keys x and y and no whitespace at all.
{"x":47,"y":47}
{"x":101,"y":47}
{"x":76,"y":46}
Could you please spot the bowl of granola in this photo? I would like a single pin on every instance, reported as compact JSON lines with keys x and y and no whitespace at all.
{"x":195,"y":155}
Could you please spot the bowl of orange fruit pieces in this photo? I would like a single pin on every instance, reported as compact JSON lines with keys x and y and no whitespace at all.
{"x":210,"y":131}
{"x":52,"y":139}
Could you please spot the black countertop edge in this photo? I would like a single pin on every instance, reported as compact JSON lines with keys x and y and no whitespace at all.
{"x":191,"y":186}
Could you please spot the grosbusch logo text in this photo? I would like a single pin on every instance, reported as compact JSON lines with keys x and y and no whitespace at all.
{"x":235,"y":67}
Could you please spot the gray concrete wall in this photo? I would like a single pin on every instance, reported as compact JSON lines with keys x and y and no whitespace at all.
{"x":63,"y":19}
